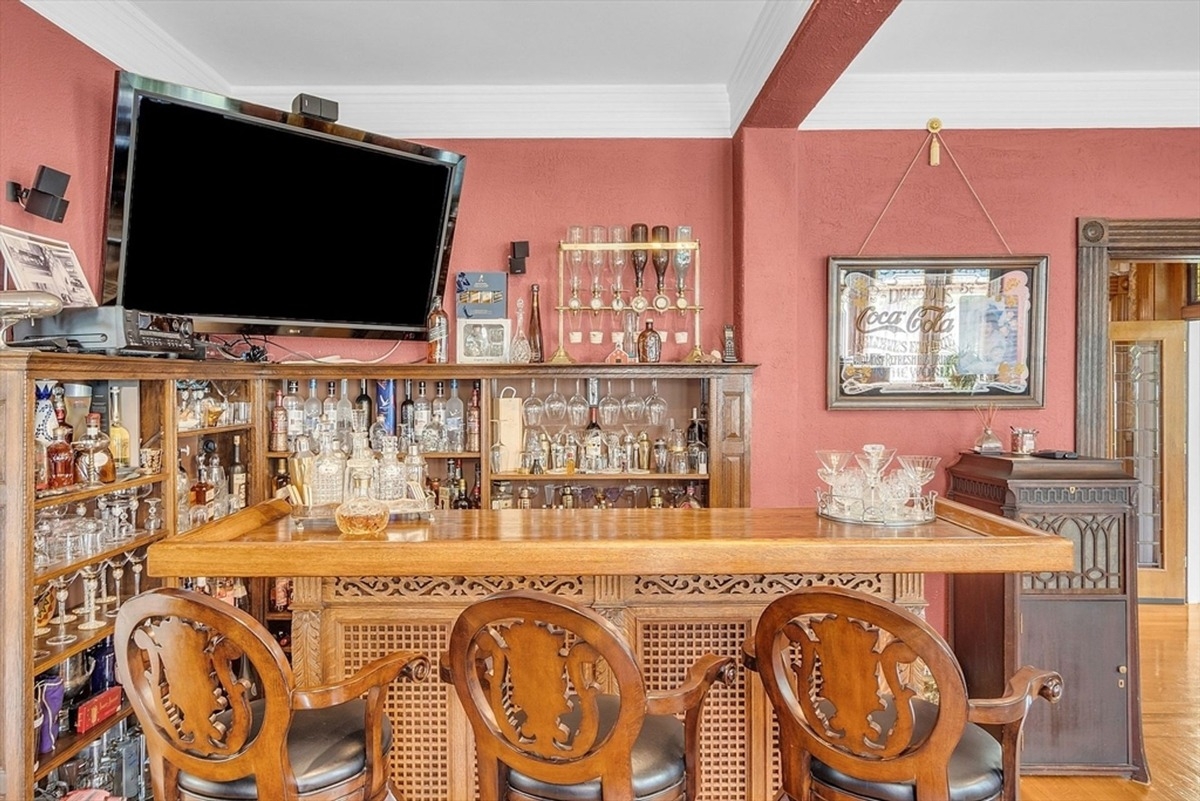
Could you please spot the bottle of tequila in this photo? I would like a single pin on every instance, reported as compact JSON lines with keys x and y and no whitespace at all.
{"x":118,"y":435}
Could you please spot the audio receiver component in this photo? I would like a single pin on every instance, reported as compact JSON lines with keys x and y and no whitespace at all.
{"x":113,"y":330}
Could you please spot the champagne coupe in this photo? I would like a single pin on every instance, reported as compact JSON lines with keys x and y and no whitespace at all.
{"x":618,"y":259}
{"x":683,"y":263}
{"x":661,"y":257}
{"x":633,"y":405}
{"x":556,"y":405}
{"x":575,"y":260}
{"x":577,"y":408}
{"x":596,"y":258}
{"x":639,"y":232}
{"x":656,"y":406}
{"x":610,"y":408}
{"x":63,"y":617}
{"x":918,"y":470}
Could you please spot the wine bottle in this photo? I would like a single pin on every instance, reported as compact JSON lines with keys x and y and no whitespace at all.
{"x":407,"y":414}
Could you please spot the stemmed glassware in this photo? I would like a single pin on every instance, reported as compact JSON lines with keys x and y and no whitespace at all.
{"x":226,"y":389}
{"x":633,"y":406}
{"x":556,"y":405}
{"x":577,"y":408}
{"x":918,"y":470}
{"x":90,"y":575}
{"x":62,"y":617}
{"x":656,"y":406}
{"x":873,"y":460}
{"x":118,"y":568}
{"x":153,"y":520}
{"x":532,"y":407}
{"x":610,"y":408}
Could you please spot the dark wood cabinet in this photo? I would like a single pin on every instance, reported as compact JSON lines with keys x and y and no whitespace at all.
{"x":1082,"y":622}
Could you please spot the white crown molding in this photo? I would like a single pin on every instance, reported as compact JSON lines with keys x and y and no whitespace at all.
{"x":519,"y":112}
{"x":119,"y":31}
{"x":773,"y":30}
{"x":1056,"y":100}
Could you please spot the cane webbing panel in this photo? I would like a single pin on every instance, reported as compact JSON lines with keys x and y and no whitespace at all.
{"x":418,"y":710}
{"x":667,"y":648}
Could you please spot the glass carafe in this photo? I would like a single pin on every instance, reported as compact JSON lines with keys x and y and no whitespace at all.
{"x":360,"y":516}
{"x":329,"y":472}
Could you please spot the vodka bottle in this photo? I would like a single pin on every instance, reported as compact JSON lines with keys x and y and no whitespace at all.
{"x":329,"y":405}
{"x":455,"y":432}
{"x":422,"y":411}
{"x":364,"y":403}
{"x":312,"y":408}
{"x":329,"y":472}
{"x":437,"y":407}
{"x":294,"y":405}
{"x":118,"y":435}
{"x":344,"y":422}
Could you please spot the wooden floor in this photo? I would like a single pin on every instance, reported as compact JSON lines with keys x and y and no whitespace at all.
{"x":1170,"y":645}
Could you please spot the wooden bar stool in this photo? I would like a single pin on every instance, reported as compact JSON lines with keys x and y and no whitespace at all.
{"x":872,"y":704}
{"x":177,"y":655}
{"x":531,"y":670}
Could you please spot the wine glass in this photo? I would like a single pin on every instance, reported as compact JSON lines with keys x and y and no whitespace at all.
{"x":656,"y":406}
{"x":556,"y":404}
{"x":577,"y":408}
{"x":153,"y":521}
{"x":633,"y":405}
{"x":610,"y":408}
{"x":63,"y":617}
{"x":532,"y":407}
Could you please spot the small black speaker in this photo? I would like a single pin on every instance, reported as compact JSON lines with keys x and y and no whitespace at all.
{"x":51,"y":181}
{"x":317,"y":107}
{"x":516,"y":262}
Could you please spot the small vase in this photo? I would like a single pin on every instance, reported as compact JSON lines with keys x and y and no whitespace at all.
{"x":988,"y":442}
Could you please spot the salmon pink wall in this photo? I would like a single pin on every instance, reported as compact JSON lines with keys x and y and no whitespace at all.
{"x":55,"y":109}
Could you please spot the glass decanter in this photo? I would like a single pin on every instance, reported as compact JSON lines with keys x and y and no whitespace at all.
{"x":360,"y":516}
{"x":519,"y":351}
{"x":392,"y":479}
{"x":329,"y":472}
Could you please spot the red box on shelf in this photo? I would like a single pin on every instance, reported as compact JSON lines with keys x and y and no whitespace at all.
{"x":95,"y":709}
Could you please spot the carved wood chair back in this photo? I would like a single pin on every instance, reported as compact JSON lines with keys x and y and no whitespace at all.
{"x":555,"y":697}
{"x":178,"y":658}
{"x":872,"y":704}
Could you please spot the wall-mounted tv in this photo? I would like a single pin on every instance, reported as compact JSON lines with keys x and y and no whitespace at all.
{"x":258,"y":221}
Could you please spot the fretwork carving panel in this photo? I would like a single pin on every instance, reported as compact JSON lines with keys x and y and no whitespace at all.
{"x":1099,"y":549}
{"x":419,"y":711}
{"x":375,"y":588}
{"x":666,"y":648}
{"x":758,"y":585}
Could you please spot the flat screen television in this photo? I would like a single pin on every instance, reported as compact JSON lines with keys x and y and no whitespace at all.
{"x":259,"y":221}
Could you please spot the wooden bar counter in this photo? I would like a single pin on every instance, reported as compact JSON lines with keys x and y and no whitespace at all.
{"x":680,"y":583}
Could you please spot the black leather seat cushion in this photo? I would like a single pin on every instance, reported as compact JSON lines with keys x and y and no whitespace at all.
{"x":327,"y":746}
{"x":976,"y":769}
{"x":657,"y":760}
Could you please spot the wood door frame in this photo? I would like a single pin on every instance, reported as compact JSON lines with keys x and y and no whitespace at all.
{"x":1099,"y":241}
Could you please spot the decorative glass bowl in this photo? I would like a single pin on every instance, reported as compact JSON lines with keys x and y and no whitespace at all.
{"x":869,"y":494}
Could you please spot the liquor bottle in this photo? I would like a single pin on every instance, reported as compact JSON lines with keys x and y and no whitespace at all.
{"x":93,"y":460}
{"x":437,"y":407}
{"x":438,"y":327}
{"x":694,"y":442}
{"x":391,"y":483}
{"x":472,"y":439}
{"x":649,"y":344}
{"x":293,"y":404}
{"x":362,"y":459}
{"x":360,"y":515}
{"x":377,"y":432}
{"x":477,"y":490}
{"x":202,"y":492}
{"x":593,"y":442}
{"x":461,"y":499}
{"x":118,"y":435}
{"x":344,"y":422}
{"x":364,"y":403}
{"x":299,"y":472}
{"x":329,"y":405}
{"x":329,"y":472}
{"x":415,"y":466}
{"x":422,"y":411}
{"x":237,"y":474}
{"x":537,"y":353}
{"x":279,"y":425}
{"x":312,"y":409}
{"x":58,"y":401}
{"x":61,"y":459}
{"x":407,"y":414}
{"x":385,"y":402}
{"x":282,"y":480}
{"x":455,"y":433}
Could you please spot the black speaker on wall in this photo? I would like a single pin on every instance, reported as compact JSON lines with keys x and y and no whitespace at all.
{"x":516,"y":261}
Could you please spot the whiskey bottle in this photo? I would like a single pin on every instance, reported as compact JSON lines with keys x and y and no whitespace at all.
{"x":93,"y":460}
{"x":61,"y":459}
{"x":472,"y":438}
{"x":118,"y":435}
{"x":237,"y":474}
{"x":438,"y":327}
{"x":537,"y":354}
{"x":649,"y":344}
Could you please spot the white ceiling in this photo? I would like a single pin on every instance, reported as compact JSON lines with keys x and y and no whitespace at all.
{"x":527,"y":68}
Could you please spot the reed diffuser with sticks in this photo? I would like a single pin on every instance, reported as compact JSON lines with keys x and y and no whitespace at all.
{"x":987,"y":442}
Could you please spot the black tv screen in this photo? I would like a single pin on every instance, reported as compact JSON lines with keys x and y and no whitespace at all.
{"x":254,"y":220}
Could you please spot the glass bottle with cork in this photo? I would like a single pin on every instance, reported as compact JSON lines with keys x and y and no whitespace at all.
{"x":278,"y":440}
{"x":118,"y":434}
{"x":537,"y":353}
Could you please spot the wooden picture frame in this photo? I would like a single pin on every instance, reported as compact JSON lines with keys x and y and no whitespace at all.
{"x":936,"y":332}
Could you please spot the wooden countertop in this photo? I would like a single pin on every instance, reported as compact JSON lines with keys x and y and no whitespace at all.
{"x":265,"y":541}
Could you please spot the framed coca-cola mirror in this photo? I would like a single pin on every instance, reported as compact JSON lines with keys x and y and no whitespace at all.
{"x":936,"y":332}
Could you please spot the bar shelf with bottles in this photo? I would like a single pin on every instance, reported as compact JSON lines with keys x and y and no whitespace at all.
{"x":607,"y":256}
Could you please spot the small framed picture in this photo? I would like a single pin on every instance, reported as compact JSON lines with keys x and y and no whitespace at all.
{"x":33,"y":262}
{"x":482,"y":341}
